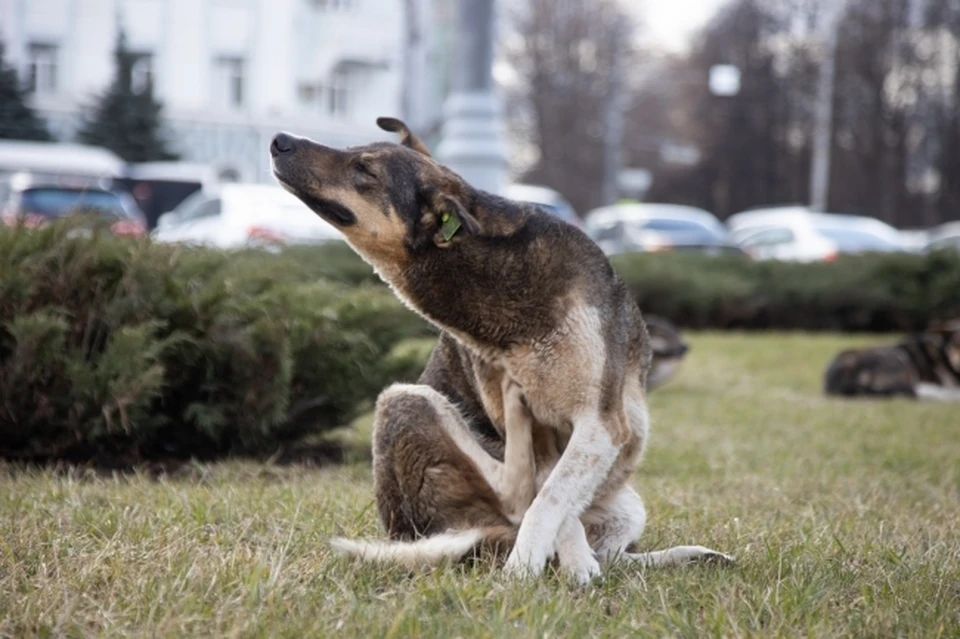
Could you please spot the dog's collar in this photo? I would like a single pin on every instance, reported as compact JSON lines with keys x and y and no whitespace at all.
{"x":451,"y":224}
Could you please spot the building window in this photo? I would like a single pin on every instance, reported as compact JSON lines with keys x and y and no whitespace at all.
{"x":228,"y":82}
{"x":336,"y":96}
{"x":331,"y":99}
{"x":42,"y":68}
{"x":335,"y":5}
{"x":307,"y":93}
{"x":141,"y":72}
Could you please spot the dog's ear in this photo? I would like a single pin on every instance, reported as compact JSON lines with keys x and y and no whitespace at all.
{"x":407,"y":138}
{"x":448,"y":220}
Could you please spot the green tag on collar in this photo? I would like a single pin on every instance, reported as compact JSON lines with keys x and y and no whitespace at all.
{"x":451,"y":224}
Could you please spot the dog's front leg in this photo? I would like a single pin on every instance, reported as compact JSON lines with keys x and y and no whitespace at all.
{"x":518,"y":486}
{"x":568,"y":492}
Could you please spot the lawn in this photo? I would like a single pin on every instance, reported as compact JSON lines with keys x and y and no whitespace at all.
{"x":844,"y":517}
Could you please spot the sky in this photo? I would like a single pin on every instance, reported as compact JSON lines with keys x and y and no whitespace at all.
{"x":669,"y":24}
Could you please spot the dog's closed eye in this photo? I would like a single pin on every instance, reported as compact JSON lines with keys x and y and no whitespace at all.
{"x":364,"y":169}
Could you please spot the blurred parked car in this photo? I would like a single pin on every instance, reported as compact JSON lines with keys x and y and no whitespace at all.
{"x":27,"y":200}
{"x":945,"y":236}
{"x":546,"y":198}
{"x":795,"y":233}
{"x":639,"y":227}
{"x":914,"y":240}
{"x":159,"y":187}
{"x":234,"y":215}
{"x":56,"y":159}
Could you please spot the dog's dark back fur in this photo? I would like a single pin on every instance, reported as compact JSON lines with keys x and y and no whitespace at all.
{"x":519,"y":274}
{"x":932,"y":357}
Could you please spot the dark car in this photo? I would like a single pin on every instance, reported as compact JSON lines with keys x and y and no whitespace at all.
{"x":635,"y":227}
{"x":36,"y":204}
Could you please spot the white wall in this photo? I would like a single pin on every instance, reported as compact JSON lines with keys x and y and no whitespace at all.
{"x":284,"y":43}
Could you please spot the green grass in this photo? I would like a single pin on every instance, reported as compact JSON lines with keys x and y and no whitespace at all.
{"x":844,"y":516}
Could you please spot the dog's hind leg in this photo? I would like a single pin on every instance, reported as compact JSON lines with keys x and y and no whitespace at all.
{"x":516,"y":483}
{"x":574,"y":553}
{"x":676,"y":556}
{"x":426,"y":457}
{"x":430,"y":474}
{"x":514,"y":479}
{"x":615,"y":524}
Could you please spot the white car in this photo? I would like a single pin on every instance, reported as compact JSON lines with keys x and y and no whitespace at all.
{"x":649,"y":227}
{"x":546,"y":198}
{"x":945,"y":236}
{"x":239,"y":215}
{"x":797,"y":234}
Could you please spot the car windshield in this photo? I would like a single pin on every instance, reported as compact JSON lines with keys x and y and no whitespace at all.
{"x":607,"y":232}
{"x":853,"y":240}
{"x":57,"y":202}
{"x":680,"y":232}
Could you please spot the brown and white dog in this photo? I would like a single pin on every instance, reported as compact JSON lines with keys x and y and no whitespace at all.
{"x":534,"y":323}
{"x":922,"y":366}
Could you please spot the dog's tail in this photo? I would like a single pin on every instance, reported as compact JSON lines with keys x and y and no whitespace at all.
{"x":430,"y":551}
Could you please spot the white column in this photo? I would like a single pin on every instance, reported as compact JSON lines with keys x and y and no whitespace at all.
{"x":473,"y":141}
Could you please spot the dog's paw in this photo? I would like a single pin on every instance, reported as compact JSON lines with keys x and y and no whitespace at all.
{"x":522,"y":564}
{"x":581,"y":567}
{"x":701,"y":554}
{"x":679,"y":555}
{"x":717,"y":557}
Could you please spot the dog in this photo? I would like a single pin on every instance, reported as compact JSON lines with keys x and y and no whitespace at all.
{"x":521,"y":299}
{"x":922,"y":366}
{"x":668,"y":350}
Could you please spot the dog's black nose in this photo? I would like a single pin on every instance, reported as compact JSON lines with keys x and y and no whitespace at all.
{"x":282,"y":143}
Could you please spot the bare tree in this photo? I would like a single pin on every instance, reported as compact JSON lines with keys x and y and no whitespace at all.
{"x":411,"y":45}
{"x":567,"y":53}
{"x":754,"y":146}
{"x":895,"y":120}
{"x":896,"y":116}
{"x":942,"y":24}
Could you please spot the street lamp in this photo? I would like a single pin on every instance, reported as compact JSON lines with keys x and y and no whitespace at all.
{"x":724,"y":80}
{"x":823,"y":113}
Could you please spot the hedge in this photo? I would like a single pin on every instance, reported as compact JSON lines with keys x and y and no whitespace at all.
{"x":880,"y":292}
{"x":118,"y":348}
{"x":123,"y":349}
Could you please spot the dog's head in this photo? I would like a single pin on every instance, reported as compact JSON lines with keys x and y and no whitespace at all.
{"x":948,"y":334}
{"x":391,"y":201}
{"x":668,"y":347}
{"x":665,"y":339}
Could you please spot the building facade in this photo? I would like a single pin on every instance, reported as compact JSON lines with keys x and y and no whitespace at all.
{"x":230,"y":73}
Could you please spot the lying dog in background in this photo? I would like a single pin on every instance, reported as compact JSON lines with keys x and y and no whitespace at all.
{"x":922,"y":366}
{"x":523,"y":300}
{"x":668,"y":350}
